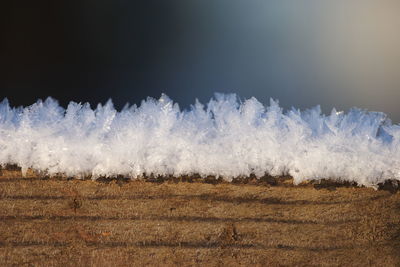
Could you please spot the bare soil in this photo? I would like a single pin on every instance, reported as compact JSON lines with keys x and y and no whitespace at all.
{"x":195,"y":222}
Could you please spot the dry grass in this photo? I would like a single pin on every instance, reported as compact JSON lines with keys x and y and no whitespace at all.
{"x":52,"y":222}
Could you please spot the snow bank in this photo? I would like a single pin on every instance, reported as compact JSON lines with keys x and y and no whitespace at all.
{"x":225,"y":138}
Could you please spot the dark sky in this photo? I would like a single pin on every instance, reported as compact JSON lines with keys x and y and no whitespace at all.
{"x":304,"y":52}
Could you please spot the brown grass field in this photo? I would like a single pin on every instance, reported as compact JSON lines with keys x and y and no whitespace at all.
{"x":192,"y":222}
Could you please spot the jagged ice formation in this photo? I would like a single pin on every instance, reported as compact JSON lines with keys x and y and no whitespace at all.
{"x":225,"y":138}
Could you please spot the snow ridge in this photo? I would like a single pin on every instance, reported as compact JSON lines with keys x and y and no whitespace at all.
{"x":226,"y":138}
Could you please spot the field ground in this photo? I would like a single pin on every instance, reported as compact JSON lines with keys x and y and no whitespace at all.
{"x":52,"y":222}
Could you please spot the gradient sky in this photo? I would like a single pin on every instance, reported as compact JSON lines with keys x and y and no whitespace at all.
{"x":302,"y":52}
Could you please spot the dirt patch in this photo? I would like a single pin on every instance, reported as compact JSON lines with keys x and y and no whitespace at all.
{"x":189,"y":221}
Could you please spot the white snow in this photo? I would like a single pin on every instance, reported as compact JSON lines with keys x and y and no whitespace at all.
{"x":226,"y":138}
